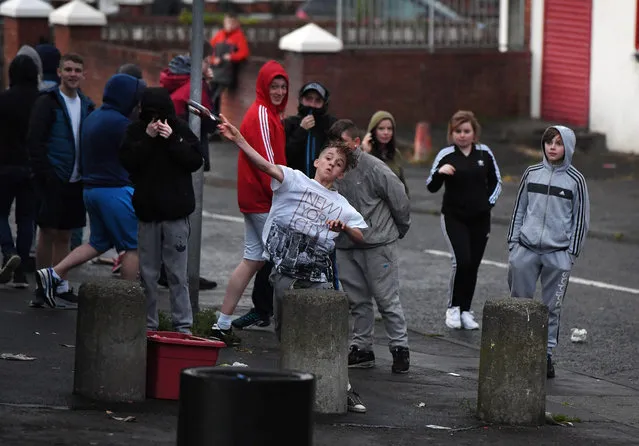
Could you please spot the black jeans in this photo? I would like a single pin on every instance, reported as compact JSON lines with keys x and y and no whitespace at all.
{"x":467,"y":238}
{"x":263,"y":292}
{"x":15,"y":184}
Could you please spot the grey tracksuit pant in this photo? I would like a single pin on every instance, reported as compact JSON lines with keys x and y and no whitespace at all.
{"x":526,"y":266}
{"x":166,"y":242}
{"x":368,"y":274}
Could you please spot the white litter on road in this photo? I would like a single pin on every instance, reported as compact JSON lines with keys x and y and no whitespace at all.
{"x":453,"y":374}
{"x":16,"y":357}
{"x":578,"y":335}
{"x":435,"y":426}
{"x":577,"y":280}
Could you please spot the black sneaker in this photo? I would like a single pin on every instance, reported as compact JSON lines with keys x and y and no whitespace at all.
{"x":354,"y":402}
{"x":226,"y":336}
{"x":66,"y":301}
{"x":20,"y":279}
{"x":206,"y":284}
{"x":550,"y":368}
{"x":360,"y":359}
{"x":249,"y":319}
{"x":10,"y":265}
{"x":401,"y":360}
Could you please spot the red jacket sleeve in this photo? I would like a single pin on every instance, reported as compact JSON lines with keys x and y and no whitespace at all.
{"x":242,"y":52}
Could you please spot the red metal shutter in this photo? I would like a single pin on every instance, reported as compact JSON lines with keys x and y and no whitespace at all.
{"x":565,"y":91}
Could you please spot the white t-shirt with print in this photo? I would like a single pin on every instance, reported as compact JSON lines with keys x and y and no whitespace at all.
{"x":296,"y":236}
{"x":74,"y":108}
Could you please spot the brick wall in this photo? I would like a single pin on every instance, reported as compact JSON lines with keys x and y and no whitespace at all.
{"x":413,"y":85}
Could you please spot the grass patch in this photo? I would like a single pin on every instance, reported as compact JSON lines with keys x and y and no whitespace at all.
{"x":561,"y":418}
{"x":202,"y":322}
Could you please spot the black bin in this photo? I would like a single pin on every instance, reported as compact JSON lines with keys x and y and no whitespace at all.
{"x":239,"y":406}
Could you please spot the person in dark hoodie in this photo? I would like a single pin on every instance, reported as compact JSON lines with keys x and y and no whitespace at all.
{"x":548,"y":228}
{"x":161,"y":152}
{"x":176,"y":78}
{"x":53,"y":142}
{"x":50,"y":58}
{"x":107,"y":188}
{"x":15,"y":108}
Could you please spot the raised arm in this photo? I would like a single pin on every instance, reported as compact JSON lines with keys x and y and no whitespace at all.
{"x":231,"y":133}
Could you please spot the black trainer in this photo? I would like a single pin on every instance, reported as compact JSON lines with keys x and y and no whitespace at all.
{"x":550,"y":368}
{"x":360,"y":359}
{"x":250,"y":319}
{"x":401,"y":360}
{"x":20,"y":279}
{"x":226,"y":336}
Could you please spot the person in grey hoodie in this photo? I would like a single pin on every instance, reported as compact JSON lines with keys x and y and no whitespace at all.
{"x":370,"y":270}
{"x":548,"y":228}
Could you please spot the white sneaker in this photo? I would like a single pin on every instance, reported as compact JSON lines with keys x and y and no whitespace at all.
{"x":468,"y":320}
{"x":452,"y":318}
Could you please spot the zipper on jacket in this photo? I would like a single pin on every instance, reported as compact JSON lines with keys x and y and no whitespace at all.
{"x":543,"y":223}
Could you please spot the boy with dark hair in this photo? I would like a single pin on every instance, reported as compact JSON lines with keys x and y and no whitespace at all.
{"x":160,"y":152}
{"x":305,"y":218}
{"x":548,"y":228}
{"x":370,"y":269}
{"x":53,"y":142}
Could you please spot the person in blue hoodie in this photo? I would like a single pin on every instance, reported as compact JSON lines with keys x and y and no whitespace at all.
{"x":108,"y":191}
{"x":53,"y":142}
{"x":548,"y":228}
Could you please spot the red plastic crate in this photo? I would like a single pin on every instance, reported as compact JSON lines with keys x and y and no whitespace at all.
{"x":168,"y":353}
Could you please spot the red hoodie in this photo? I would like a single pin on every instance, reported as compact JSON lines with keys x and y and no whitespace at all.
{"x":235,"y":37}
{"x":179,"y":87}
{"x":263,"y":130}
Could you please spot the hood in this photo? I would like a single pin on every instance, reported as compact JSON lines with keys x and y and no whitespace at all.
{"x":122,"y":92}
{"x":180,"y":65}
{"x":569,"y":139}
{"x":303,"y":110}
{"x":378,"y":117}
{"x":156,"y":103}
{"x":50,"y":57}
{"x":23,"y":71}
{"x":27,"y":50}
{"x":269,"y":71}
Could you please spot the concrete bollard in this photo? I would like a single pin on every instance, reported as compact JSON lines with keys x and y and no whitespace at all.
{"x":110,"y":350}
{"x":512,"y":362}
{"x":315,"y":340}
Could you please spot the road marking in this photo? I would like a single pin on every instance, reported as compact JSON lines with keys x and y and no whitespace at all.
{"x":222,"y":217}
{"x":587,"y":282}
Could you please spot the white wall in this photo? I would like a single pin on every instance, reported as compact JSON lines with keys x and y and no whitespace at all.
{"x":536,"y":49}
{"x":614,"y":74}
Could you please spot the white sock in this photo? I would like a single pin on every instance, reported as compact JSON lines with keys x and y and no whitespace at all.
{"x":55,"y":275}
{"x":224,"y":321}
{"x":63,"y":287}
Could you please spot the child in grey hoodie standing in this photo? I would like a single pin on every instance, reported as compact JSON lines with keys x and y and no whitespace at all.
{"x":548,"y":228}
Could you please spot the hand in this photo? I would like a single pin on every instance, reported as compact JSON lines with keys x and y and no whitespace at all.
{"x":367,"y":143}
{"x":308,"y":122}
{"x":227,"y":57}
{"x":447,"y":169}
{"x":152,"y":128}
{"x":164,"y":129}
{"x":216,"y":61}
{"x":336,"y":225}
{"x":229,"y":131}
{"x":208,"y":74}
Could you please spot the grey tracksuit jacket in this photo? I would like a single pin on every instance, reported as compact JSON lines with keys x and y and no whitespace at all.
{"x":552,"y":210}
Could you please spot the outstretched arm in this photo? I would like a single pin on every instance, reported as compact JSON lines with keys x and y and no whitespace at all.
{"x":233,"y":134}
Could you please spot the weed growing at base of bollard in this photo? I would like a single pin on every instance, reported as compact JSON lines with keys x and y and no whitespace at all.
{"x":202,"y":322}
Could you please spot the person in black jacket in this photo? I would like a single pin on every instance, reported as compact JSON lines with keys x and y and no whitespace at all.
{"x":15,"y":184}
{"x":160,"y":152}
{"x":473,"y":184}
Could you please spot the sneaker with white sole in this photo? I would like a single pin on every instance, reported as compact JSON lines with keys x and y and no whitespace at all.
{"x":453,"y":318}
{"x":468,"y":320}
{"x":10,"y":265}
{"x":47,"y":284}
{"x":354,"y":402}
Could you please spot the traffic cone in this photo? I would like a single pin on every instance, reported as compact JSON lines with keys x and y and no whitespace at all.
{"x":423,"y":143}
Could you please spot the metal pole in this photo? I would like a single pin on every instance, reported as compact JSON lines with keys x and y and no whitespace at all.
{"x":431,"y":28}
{"x":195,"y":238}
{"x":503,"y":25}
{"x":339,"y":20}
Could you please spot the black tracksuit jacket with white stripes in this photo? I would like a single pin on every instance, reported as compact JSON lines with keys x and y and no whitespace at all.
{"x":552,"y":209}
{"x":475,"y":186}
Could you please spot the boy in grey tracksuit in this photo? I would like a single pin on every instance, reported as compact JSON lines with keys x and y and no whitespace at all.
{"x":370,"y":270}
{"x":549,"y":226}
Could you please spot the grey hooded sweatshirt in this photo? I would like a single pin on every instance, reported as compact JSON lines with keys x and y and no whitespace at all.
{"x":378,"y":194}
{"x":33,"y":54}
{"x":552,"y":210}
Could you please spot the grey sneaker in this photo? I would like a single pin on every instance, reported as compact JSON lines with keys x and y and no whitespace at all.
{"x":354,"y":402}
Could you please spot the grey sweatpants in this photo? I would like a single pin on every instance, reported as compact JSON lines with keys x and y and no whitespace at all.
{"x":368,"y":274}
{"x":526,"y":266}
{"x":166,"y":242}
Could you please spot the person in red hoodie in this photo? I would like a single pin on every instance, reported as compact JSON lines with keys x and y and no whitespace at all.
{"x":176,"y":78}
{"x":229,"y":50}
{"x":263,"y":129}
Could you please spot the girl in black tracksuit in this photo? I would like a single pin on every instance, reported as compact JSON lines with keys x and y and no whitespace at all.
{"x":473,"y":184}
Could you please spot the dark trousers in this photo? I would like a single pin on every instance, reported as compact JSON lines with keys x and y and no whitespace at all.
{"x":15,"y":184}
{"x":263,"y":291}
{"x":467,"y":240}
